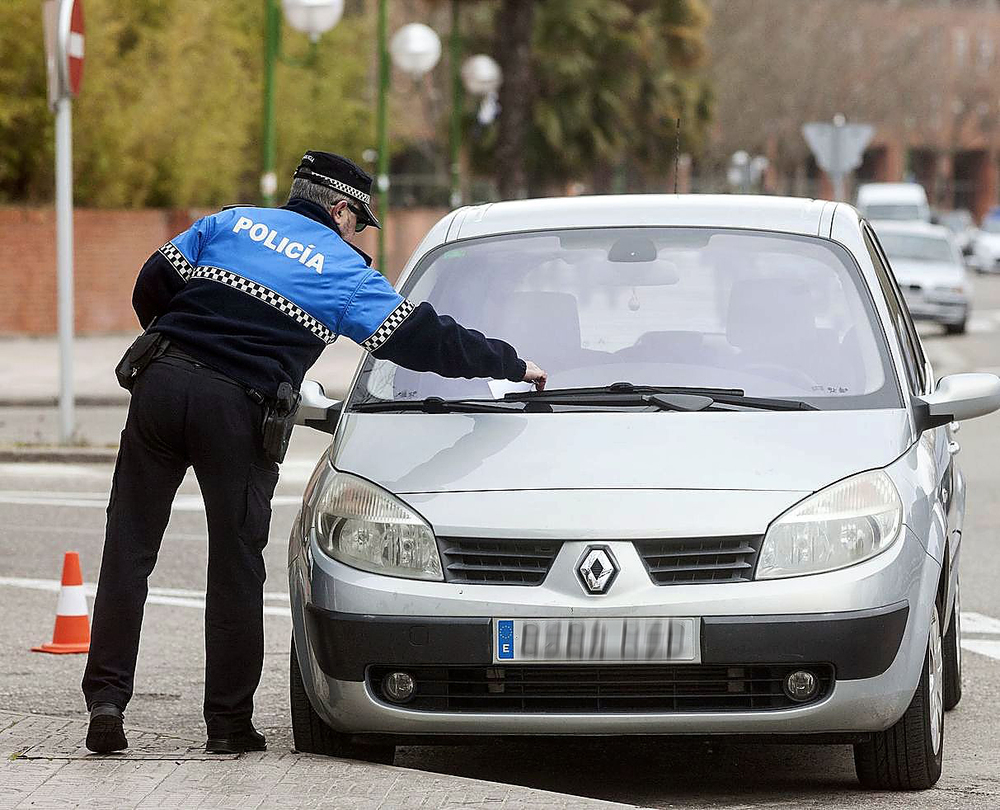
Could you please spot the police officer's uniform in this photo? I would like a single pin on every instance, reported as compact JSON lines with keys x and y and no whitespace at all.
{"x":248,"y":299}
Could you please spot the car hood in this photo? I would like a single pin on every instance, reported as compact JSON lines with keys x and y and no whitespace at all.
{"x":767,"y":451}
{"x":928,"y":274}
{"x":988,"y":240}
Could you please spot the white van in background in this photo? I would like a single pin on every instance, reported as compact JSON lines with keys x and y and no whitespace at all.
{"x":897,"y":201}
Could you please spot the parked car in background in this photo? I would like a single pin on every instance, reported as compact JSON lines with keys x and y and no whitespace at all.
{"x":896,"y":201}
{"x":986,"y":248}
{"x":735,"y":508}
{"x":930,"y":270}
{"x":962,"y":227}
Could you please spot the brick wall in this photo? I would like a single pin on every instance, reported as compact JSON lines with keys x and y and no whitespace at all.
{"x":110,"y":247}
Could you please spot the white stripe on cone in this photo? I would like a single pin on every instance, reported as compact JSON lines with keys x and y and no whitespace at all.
{"x":72,"y":601}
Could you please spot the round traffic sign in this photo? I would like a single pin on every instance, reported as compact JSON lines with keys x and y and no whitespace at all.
{"x":74,"y":47}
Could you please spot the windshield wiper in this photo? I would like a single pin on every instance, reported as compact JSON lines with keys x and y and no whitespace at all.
{"x":435,"y":405}
{"x":666,"y":397}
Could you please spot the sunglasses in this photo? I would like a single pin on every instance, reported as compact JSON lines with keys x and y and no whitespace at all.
{"x":359,"y":215}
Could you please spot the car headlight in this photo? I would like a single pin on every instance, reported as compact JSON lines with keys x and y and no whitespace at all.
{"x":365,"y":527}
{"x":847,"y":522}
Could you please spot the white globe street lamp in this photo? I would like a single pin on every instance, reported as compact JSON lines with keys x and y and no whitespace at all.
{"x":415,"y":49}
{"x":481,"y":75}
{"x":313,"y":17}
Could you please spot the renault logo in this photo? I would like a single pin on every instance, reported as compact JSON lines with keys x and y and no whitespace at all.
{"x":597,"y":569}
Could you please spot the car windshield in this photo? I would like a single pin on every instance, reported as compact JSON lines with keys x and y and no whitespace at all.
{"x":919,"y":248}
{"x":893,"y":211}
{"x":774,"y":315}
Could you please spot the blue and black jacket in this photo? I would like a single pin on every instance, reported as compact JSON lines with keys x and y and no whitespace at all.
{"x":258,"y":293}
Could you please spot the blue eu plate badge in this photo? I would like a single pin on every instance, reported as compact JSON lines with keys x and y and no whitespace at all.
{"x":505,"y":639}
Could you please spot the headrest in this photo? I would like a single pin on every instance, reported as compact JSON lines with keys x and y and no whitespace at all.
{"x":765,"y":312}
{"x":539,"y":324}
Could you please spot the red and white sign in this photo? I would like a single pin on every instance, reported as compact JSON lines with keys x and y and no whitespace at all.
{"x":74,"y":47}
{"x":64,"y":47}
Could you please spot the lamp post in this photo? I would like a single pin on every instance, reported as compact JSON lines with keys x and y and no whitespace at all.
{"x":312,"y":17}
{"x":415,"y":49}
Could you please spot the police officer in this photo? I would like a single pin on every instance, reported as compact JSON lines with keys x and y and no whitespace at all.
{"x":241,"y":302}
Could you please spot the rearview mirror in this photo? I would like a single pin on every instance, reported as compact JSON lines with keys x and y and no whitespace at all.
{"x":957,"y":397}
{"x":316,"y":409}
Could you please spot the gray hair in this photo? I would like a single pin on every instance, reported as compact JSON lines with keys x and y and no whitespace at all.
{"x":314,"y":192}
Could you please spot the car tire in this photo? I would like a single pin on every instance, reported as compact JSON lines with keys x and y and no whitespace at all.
{"x":311,"y":735}
{"x":908,"y":755}
{"x":956,"y":328}
{"x":952,"y":652}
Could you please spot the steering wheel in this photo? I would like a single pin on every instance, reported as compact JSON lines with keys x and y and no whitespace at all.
{"x":783,"y":373}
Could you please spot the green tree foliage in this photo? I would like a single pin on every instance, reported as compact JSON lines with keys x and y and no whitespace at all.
{"x":170,"y":111}
{"x":611,"y":78}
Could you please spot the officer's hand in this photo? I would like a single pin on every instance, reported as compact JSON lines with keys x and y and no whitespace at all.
{"x":534,"y":374}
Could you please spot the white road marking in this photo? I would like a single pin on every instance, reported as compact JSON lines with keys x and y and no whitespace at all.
{"x":984,"y":625}
{"x":978,"y":623}
{"x":175,"y":597}
{"x":945,"y":357}
{"x":99,"y":500}
{"x":982,"y":646}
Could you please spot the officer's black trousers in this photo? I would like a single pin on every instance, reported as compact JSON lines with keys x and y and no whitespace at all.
{"x":182,"y":415}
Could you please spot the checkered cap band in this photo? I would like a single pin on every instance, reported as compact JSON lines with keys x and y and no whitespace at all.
{"x":176,"y":258}
{"x":389,"y":325}
{"x":268,"y":296}
{"x":333,"y":183}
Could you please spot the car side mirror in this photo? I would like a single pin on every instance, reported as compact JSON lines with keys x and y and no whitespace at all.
{"x":958,"y":397}
{"x":316,"y":409}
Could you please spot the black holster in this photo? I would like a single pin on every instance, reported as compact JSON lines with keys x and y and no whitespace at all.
{"x":279,"y":419}
{"x":143,"y":351}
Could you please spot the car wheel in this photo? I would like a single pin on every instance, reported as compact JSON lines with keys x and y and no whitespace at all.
{"x":313,"y":736}
{"x":955,"y":328}
{"x":907,"y":756}
{"x":952,"y":650}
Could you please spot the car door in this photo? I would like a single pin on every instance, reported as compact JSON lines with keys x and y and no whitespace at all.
{"x":937,"y":444}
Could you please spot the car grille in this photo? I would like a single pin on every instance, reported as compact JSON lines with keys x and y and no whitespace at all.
{"x":678,"y":561}
{"x":601,"y":689}
{"x":497,"y":562}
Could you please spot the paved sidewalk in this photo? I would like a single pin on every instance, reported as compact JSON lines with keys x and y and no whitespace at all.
{"x":29,"y":369}
{"x":45,"y":765}
{"x":29,"y":390}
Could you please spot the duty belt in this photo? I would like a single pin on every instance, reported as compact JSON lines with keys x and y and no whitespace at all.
{"x":173,"y":352}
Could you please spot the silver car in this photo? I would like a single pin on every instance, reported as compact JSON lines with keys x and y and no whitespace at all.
{"x":734,"y":510}
{"x":931,"y":272}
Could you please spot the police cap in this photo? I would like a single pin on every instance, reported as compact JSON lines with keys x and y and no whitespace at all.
{"x":340,"y":174}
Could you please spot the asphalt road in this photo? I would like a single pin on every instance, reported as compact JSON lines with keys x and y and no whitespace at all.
{"x":48,"y":509}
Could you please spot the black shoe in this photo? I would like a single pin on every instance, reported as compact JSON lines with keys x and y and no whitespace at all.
{"x":238,"y":743}
{"x":107,"y":731}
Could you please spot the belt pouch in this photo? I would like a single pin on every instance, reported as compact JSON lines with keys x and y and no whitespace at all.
{"x":146,"y":348}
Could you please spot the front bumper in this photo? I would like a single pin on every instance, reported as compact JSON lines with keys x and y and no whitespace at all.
{"x":940,"y":308}
{"x":859,"y":644}
{"x":869,"y":621}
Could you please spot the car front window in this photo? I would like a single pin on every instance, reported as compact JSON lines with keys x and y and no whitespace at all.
{"x":774,"y":315}
{"x":893,"y":211}
{"x":917,"y":248}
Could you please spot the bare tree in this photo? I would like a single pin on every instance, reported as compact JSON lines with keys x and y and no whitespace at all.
{"x":515,"y":28}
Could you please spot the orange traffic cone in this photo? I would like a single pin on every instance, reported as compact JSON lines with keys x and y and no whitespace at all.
{"x":72,"y":633}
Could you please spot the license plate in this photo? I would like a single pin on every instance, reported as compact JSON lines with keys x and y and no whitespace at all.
{"x":560,"y":641}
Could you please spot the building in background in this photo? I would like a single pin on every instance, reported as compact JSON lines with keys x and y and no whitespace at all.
{"x":924,"y":72}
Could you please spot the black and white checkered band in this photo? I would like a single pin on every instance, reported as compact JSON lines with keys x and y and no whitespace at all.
{"x":333,"y":183}
{"x":176,"y":258}
{"x":389,"y":325}
{"x":268,"y":296}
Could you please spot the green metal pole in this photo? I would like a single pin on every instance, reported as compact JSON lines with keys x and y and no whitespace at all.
{"x":272,"y":38}
{"x":456,"y":106}
{"x":382,"y":124}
